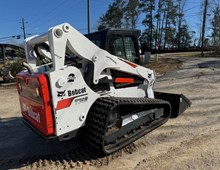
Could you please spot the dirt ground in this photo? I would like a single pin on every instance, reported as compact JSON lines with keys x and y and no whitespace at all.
{"x":190,"y":141}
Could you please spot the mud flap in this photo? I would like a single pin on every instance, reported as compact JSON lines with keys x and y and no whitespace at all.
{"x":179,"y":103}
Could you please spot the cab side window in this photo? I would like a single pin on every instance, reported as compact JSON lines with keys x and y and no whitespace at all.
{"x":129,"y":48}
{"x":116,"y":46}
{"x":123,"y":46}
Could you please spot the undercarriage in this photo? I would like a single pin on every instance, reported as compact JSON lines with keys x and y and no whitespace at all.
{"x":113,"y":123}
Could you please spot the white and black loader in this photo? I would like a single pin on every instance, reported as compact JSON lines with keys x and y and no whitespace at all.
{"x":71,"y":86}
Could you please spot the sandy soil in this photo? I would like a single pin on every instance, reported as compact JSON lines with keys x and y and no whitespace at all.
{"x":190,"y":141}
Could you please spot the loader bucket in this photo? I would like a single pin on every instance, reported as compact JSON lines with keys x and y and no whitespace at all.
{"x":179,"y":103}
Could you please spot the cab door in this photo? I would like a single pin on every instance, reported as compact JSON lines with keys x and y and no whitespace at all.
{"x":124,"y":46}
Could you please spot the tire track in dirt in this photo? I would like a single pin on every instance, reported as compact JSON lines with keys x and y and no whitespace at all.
{"x":189,"y":157}
{"x":82,"y":158}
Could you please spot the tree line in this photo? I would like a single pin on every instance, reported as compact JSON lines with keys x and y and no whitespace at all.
{"x":164,"y":23}
{"x":214,"y":9}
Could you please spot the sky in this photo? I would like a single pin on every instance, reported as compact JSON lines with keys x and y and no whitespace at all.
{"x":40,"y":15}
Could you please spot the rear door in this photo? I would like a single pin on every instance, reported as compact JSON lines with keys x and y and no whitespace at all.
{"x":35,"y":102}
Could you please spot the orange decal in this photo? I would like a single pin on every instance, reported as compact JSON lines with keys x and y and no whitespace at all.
{"x":124,"y":80}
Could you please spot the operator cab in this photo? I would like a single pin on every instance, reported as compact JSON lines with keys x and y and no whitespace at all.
{"x":119,"y":42}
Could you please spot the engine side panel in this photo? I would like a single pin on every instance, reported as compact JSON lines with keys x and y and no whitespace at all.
{"x":72,"y":99}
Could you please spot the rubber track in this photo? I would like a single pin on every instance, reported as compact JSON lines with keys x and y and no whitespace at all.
{"x":97,"y":119}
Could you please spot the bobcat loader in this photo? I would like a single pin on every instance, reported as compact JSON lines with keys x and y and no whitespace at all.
{"x":73,"y":87}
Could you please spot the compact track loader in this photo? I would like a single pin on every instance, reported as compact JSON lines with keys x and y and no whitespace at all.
{"x":73,"y":87}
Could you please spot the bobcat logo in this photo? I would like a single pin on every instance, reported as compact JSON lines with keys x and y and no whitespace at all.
{"x":61,"y":93}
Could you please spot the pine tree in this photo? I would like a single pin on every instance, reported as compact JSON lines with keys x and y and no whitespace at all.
{"x":158,"y":26}
{"x":180,"y":13}
{"x":113,"y":16}
{"x":132,"y":11}
{"x":148,"y":6}
{"x":216,"y":27}
{"x":206,"y":3}
{"x":170,"y":22}
{"x":185,"y":39}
